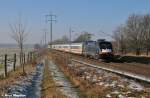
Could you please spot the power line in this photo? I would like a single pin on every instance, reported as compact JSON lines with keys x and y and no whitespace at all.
{"x":107,"y":34}
{"x":51,"y":18}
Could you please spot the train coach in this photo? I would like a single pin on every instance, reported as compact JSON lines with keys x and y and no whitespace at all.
{"x":94,"y":49}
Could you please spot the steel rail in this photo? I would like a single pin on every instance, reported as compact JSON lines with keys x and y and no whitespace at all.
{"x":124,"y":73}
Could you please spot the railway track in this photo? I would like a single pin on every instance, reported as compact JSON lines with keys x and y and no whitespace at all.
{"x":127,"y":74}
{"x":135,"y":68}
{"x":132,"y":70}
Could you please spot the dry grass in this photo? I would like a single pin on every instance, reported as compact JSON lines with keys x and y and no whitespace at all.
{"x":13,"y":76}
{"x":87,"y":90}
{"x":49,"y":89}
{"x":1,"y":66}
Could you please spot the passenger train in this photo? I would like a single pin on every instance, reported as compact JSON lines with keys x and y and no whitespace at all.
{"x":99,"y":49}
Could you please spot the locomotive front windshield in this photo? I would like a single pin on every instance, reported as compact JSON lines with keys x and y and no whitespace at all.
{"x":105,"y":45}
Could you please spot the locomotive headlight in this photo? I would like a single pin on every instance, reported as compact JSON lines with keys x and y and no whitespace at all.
{"x":106,"y":50}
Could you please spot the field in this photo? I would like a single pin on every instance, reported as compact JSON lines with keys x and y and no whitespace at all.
{"x":11,"y":51}
{"x":10,"y":54}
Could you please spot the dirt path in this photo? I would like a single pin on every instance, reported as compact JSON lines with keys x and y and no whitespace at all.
{"x":62,"y":82}
{"x":49,"y":88}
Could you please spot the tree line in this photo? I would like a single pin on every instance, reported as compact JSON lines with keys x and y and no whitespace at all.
{"x":84,"y":36}
{"x":133,"y":35}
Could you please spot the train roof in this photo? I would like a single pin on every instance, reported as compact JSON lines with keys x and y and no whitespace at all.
{"x":105,"y":42}
{"x":69,"y":44}
{"x":79,"y":43}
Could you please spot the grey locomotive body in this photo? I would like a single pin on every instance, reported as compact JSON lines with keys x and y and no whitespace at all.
{"x":98,"y":49}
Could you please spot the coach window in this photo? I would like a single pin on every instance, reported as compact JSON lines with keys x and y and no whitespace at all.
{"x":76,"y":47}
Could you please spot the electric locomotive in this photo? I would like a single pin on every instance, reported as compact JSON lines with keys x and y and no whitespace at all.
{"x":98,"y":49}
{"x":95,"y":49}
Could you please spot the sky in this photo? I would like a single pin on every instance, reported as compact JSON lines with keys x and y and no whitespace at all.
{"x":81,"y":15}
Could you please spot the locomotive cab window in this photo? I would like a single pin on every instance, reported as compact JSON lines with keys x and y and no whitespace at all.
{"x":105,"y":45}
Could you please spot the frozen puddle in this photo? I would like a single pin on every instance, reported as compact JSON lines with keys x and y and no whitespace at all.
{"x":27,"y":87}
{"x":64,"y":85}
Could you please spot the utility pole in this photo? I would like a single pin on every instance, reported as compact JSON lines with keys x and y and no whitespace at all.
{"x":45,"y":38}
{"x":41,"y":42}
{"x":51,"y":18}
{"x":70,"y":36}
{"x":70,"y":33}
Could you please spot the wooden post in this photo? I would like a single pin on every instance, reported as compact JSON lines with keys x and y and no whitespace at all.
{"x":20,"y":58}
{"x":28,"y":58}
{"x":14,"y":66}
{"x":5,"y":64}
{"x":24,"y":58}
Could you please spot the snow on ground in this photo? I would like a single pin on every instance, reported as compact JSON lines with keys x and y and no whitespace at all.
{"x":62,"y":82}
{"x":119,"y":86}
{"x":29,"y":86}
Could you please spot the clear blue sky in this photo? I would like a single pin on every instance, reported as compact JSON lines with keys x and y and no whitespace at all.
{"x":81,"y":15}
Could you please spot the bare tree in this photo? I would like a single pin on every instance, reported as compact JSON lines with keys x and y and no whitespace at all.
{"x":146,"y":26}
{"x":135,"y":32}
{"x":37,"y":46}
{"x":84,"y":36}
{"x":19,"y":34}
{"x":64,"y":39}
{"x":120,"y":39}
